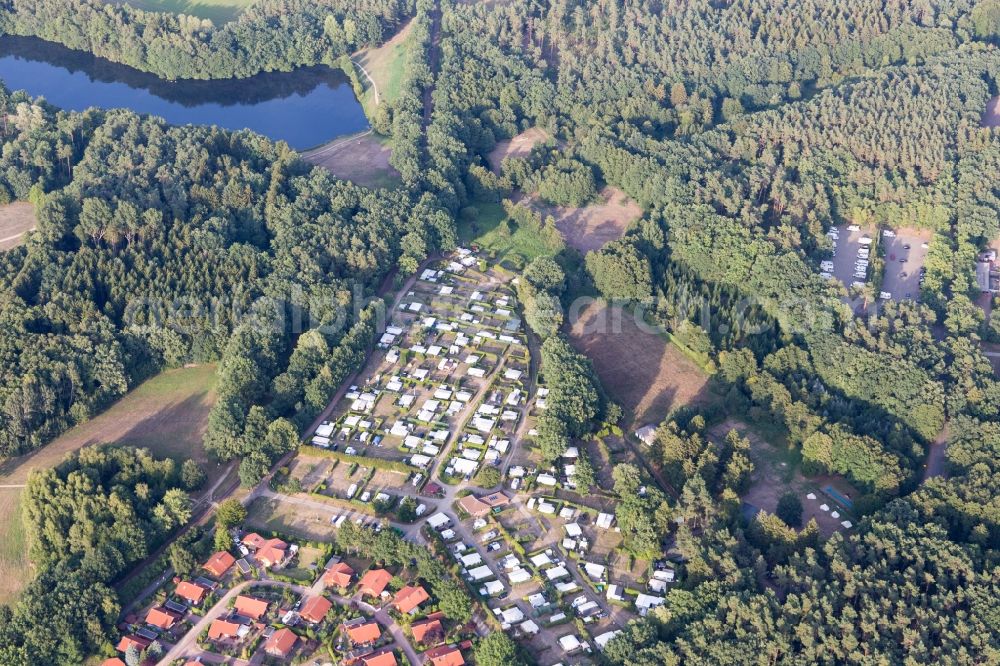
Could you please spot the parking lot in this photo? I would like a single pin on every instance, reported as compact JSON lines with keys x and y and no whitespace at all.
{"x":849,"y":243}
{"x":905,"y":254}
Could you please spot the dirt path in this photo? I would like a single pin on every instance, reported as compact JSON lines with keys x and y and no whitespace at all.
{"x":936,"y":455}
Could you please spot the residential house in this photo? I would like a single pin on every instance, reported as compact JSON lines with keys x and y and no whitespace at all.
{"x":428,"y":631}
{"x":314,"y":611}
{"x":362,"y":632}
{"x":383,"y":657}
{"x":445,"y":655}
{"x":161,"y":618}
{"x":190,"y":592}
{"x":138,"y":642}
{"x":272,"y":553}
{"x":219,"y":564}
{"x":281,"y":643}
{"x":250,"y":607}
{"x":409,"y":598}
{"x":495,"y":500}
{"x":339,"y":575}
{"x":374,"y":582}
{"x":223,"y":629}
{"x":114,"y":661}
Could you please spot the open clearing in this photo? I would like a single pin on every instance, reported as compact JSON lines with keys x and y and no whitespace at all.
{"x":386,"y":65}
{"x":991,"y":117}
{"x":362,"y":159}
{"x":591,"y":227}
{"x":15,"y":219}
{"x":14,"y":565}
{"x":518,"y":146}
{"x":639,"y":367}
{"x":518,"y":246}
{"x":291,"y":519}
{"x":219,"y":11}
{"x":167,"y":414}
{"x":904,"y":257}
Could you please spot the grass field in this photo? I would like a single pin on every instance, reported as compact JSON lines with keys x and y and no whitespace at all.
{"x":386,"y":65}
{"x":219,"y":11}
{"x":362,"y":159}
{"x":15,"y":219}
{"x":516,"y":245}
{"x":168,"y":414}
{"x":14,"y":565}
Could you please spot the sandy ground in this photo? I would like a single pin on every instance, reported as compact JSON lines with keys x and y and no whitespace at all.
{"x":15,"y":219}
{"x":991,"y":117}
{"x":518,"y":146}
{"x":361,"y":159}
{"x":640,"y":369}
{"x":591,"y":227}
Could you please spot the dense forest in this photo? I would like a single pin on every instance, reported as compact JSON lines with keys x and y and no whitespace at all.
{"x":98,"y":512}
{"x":271,"y":35}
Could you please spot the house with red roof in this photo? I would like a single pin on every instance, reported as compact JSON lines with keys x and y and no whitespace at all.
{"x":138,"y":642}
{"x":315,"y":610}
{"x":383,"y":657}
{"x":250,"y":607}
{"x":114,"y":661}
{"x":219,"y":564}
{"x":374,"y":582}
{"x":409,"y":598}
{"x":339,"y":575}
{"x":281,"y":643}
{"x":161,"y":618}
{"x":272,"y":552}
{"x":446,"y":655}
{"x":253,"y":541}
{"x":427,"y":631}
{"x":473,"y":506}
{"x":362,"y":633}
{"x":190,"y":592}
{"x":220,"y":629}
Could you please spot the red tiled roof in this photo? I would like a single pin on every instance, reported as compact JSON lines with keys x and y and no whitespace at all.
{"x":250,"y":607}
{"x":427,"y":630}
{"x":271,"y":553}
{"x":409,"y":598}
{"x":381,"y":658}
{"x":114,"y":661}
{"x":127,"y":641}
{"x":253,"y":540}
{"x":315,"y":609}
{"x":339,"y":574}
{"x":374,"y":582}
{"x":161,"y":618}
{"x":281,"y":642}
{"x":446,"y":655}
{"x":190,"y":592}
{"x":222,"y":629}
{"x":495,"y":499}
{"x":368,"y":632}
{"x":219,"y":563}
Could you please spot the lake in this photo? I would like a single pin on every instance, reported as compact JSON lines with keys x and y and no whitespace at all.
{"x":306,"y":107}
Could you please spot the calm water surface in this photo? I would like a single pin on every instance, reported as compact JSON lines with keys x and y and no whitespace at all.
{"x":306,"y":107}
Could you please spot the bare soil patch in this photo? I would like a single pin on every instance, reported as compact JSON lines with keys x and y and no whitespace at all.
{"x":15,"y":219}
{"x":639,"y":367}
{"x":591,"y":227}
{"x":167,"y":414}
{"x":991,"y":117}
{"x":291,"y":519}
{"x":518,"y":146}
{"x":361,"y":159}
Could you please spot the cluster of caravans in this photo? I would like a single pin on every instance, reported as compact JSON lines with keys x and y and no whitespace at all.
{"x":860,"y":263}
